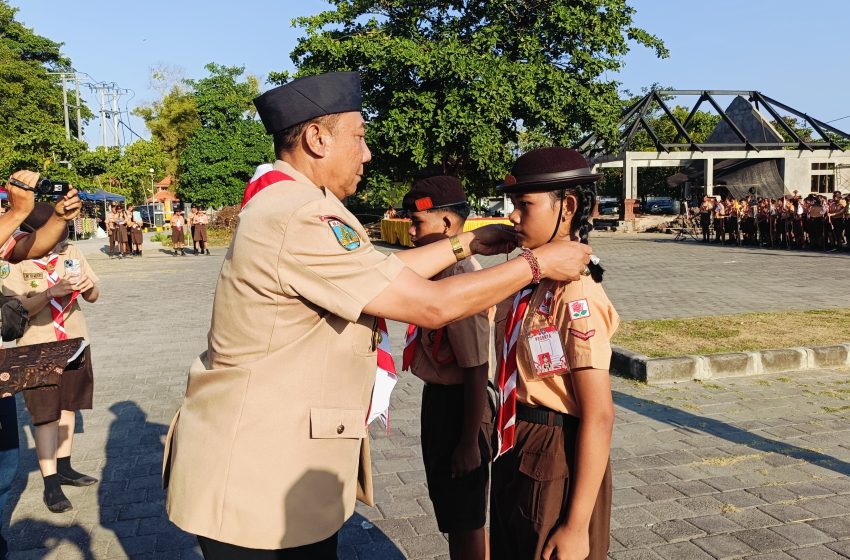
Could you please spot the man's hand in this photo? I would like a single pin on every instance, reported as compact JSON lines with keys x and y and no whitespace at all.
{"x":21,"y":200}
{"x":69,"y":206}
{"x":465,"y":459}
{"x":567,"y":544}
{"x":494,"y":239}
{"x":562,"y":260}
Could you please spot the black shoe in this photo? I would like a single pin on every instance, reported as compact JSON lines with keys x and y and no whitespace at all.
{"x":208,"y":251}
{"x":82,"y":480}
{"x":60,"y":503}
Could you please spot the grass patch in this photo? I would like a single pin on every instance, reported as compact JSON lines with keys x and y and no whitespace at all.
{"x":735,"y":333}
{"x":835,"y":409}
{"x":216,"y":237}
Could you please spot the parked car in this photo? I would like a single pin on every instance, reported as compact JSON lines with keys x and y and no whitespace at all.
{"x":609,"y":207}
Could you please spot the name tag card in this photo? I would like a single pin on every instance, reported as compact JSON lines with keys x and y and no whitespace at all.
{"x":547,"y":352}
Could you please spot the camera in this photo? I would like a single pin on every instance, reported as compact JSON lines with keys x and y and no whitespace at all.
{"x":51,"y":188}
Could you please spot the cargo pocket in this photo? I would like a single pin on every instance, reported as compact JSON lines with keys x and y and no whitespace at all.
{"x":543,"y":486}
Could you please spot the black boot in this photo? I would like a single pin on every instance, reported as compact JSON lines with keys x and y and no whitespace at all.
{"x":54,"y":498}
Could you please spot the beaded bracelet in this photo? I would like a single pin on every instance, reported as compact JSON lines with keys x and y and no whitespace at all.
{"x":528,"y":255}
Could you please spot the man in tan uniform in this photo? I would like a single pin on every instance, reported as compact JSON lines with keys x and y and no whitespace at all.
{"x":269,"y":449}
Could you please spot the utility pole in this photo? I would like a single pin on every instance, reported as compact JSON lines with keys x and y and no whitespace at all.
{"x":79,"y":108}
{"x":65,"y":107}
{"x":100,"y":88}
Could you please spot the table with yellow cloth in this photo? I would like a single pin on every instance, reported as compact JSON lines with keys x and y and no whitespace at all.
{"x":395,"y":230}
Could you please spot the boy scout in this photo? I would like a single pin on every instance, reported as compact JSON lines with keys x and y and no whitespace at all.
{"x":454,"y":364}
{"x":551,"y":487}
{"x":268,"y":451}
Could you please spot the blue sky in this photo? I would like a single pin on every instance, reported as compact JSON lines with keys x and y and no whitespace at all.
{"x":794,"y":52}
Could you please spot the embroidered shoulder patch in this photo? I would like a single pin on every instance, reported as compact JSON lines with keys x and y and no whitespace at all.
{"x":346,"y":236}
{"x":5,"y":270}
{"x":579,"y":309}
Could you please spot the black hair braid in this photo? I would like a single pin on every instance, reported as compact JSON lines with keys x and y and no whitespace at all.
{"x":581,"y":225}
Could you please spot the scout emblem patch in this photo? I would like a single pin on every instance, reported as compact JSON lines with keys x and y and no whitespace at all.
{"x":346,"y":236}
{"x":5,"y":270}
{"x":579,"y":309}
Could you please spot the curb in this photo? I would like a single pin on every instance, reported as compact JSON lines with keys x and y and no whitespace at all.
{"x":676,"y":369}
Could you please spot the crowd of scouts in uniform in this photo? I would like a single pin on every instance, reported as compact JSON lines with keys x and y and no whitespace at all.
{"x":263,"y":461}
{"x":124,"y":226}
{"x":194,"y":225}
{"x":816,"y":222}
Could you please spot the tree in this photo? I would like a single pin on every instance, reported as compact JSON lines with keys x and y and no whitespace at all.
{"x":32,"y":132}
{"x":221,"y":154}
{"x":172,"y":120}
{"x":454,"y":83}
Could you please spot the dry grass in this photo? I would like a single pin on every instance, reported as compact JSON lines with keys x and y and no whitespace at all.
{"x":735,"y":333}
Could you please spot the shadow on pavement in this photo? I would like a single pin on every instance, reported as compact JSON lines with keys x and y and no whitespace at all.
{"x":360,"y":540}
{"x":694,"y":423}
{"x":130,"y":494}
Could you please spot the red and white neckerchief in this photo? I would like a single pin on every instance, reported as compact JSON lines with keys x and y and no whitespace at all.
{"x":410,"y":342}
{"x":409,"y":347}
{"x":264,"y":176}
{"x":385,"y":377}
{"x":506,"y":381}
{"x":56,"y":308}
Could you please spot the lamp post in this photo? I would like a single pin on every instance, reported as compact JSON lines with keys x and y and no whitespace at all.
{"x":152,"y":207}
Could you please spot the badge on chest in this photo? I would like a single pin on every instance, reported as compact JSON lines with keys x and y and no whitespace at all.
{"x":547,"y":352}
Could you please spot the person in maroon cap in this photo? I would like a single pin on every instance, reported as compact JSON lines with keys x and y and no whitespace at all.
{"x":551,"y":480}
{"x":453,"y":361}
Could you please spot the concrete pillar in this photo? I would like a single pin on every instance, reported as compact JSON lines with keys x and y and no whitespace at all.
{"x":709,"y":177}
{"x":634,"y":193}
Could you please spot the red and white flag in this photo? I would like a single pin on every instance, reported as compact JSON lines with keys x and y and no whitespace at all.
{"x":385,"y":378}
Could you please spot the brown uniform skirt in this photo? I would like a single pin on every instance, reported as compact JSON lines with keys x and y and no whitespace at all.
{"x":137,"y":236}
{"x":530,"y":490}
{"x":74,"y":392}
{"x":177,"y":235}
{"x":200,"y":232}
{"x":121,"y":233}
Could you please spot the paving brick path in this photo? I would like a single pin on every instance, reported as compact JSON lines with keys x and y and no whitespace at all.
{"x":750,"y":468}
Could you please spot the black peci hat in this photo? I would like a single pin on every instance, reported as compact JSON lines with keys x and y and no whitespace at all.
{"x":548,"y":169}
{"x":433,"y":193}
{"x":307,"y":98}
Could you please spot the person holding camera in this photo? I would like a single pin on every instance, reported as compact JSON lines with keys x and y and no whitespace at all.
{"x":49,"y":289}
{"x":15,"y":246}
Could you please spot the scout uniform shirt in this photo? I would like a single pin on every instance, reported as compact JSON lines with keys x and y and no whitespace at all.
{"x":266,"y":449}
{"x":463,"y":344}
{"x":586,"y":321}
{"x":26,"y":279}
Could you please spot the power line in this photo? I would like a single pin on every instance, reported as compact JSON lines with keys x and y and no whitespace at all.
{"x":840,"y":118}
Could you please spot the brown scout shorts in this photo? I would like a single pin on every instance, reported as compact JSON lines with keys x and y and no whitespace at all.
{"x":531,"y":493}
{"x":73,"y":393}
{"x":200,"y":232}
{"x":177,"y":235}
{"x":137,"y":236}
{"x":460,"y":504}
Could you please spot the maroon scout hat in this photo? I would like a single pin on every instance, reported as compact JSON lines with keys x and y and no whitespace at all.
{"x":433,"y":193}
{"x":548,"y":169}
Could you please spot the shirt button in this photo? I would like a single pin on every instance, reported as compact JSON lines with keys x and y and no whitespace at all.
{"x":340,"y":429}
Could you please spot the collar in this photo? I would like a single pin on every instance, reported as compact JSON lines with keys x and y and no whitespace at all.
{"x":299,"y":177}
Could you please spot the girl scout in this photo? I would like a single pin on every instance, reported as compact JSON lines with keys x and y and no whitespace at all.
{"x":551,"y":481}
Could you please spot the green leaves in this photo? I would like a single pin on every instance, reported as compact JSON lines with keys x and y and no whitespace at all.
{"x":221,"y":154}
{"x":461,"y":85}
